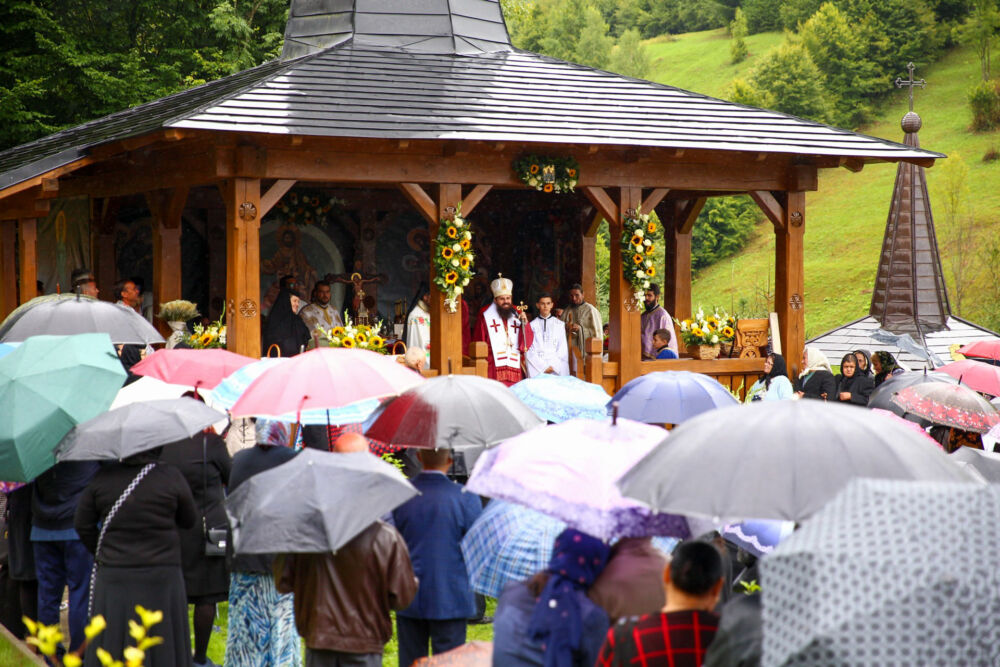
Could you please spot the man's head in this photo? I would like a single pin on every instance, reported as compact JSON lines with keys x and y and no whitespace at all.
{"x":322,"y":293}
{"x":693,"y":579}
{"x":652,"y":296}
{"x":127,"y":292}
{"x":84,"y":282}
{"x":435,"y":459}
{"x":415,"y":358}
{"x":544,"y":304}
{"x":661,"y":338}
{"x":350,"y":442}
{"x":576,"y":294}
{"x":503,"y":295}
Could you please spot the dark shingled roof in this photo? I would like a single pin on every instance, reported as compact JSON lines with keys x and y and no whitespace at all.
{"x":441,"y":69}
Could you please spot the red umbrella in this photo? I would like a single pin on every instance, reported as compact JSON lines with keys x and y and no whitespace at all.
{"x":323,"y":379}
{"x":984,"y":378}
{"x":983,"y":349}
{"x":193,"y":368}
{"x":950,"y":405}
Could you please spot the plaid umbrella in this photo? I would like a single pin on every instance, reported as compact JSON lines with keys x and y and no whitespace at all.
{"x":949,"y":405}
{"x":886,"y":575}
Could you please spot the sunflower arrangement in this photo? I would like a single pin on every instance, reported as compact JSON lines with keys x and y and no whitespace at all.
{"x":357,"y":336}
{"x":212,"y":336}
{"x":548,"y":174}
{"x":453,"y":257}
{"x":640,"y":232}
{"x":713,"y":329}
{"x":304,"y":208}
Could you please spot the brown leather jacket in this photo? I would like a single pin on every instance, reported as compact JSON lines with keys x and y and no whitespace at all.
{"x":342,"y":600}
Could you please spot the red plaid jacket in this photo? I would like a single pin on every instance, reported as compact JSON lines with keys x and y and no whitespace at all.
{"x":677,"y":639}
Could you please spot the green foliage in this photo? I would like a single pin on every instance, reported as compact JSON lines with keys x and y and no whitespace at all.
{"x":762,"y":15}
{"x":678,"y":16}
{"x":630,"y":56}
{"x":787,"y":80}
{"x":980,"y":31}
{"x":984,"y":101}
{"x":593,"y":48}
{"x":794,"y":12}
{"x":722,"y":229}
{"x":738,"y":31}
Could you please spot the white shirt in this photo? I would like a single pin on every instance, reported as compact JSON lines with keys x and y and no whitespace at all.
{"x":549,"y":348}
{"x":418,"y":331}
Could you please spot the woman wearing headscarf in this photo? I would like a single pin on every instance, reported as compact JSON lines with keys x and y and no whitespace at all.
{"x":816,"y":379}
{"x":261,"y":621}
{"x":864,"y":362}
{"x":548,"y":620}
{"x":774,"y":384}
{"x":884,"y":365}
{"x":284,"y":327}
{"x":852,"y":386}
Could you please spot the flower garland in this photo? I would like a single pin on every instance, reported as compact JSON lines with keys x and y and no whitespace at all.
{"x":719,"y":327}
{"x":351,"y":335}
{"x":638,"y":243}
{"x":305,"y":208}
{"x":453,"y":257}
{"x":212,"y":336}
{"x":548,"y":174}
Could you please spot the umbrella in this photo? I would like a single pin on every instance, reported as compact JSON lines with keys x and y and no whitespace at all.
{"x":949,"y":405}
{"x":984,"y":378}
{"x":568,"y":471}
{"x":556,"y":398}
{"x":193,"y":368}
{"x":982,"y":349}
{"x":315,"y":503}
{"x":758,"y":537}
{"x":670,"y":397}
{"x":987,"y":464}
{"x":7,"y":348}
{"x":912,"y":425}
{"x":778,"y":460}
{"x":147,"y":389}
{"x":507,"y":543}
{"x":324,"y":378}
{"x":886,"y":575}
{"x":47,"y":385}
{"x":453,"y":411}
{"x":135,"y":428}
{"x":882,"y":396}
{"x":67,"y":314}
{"x":471,"y":654}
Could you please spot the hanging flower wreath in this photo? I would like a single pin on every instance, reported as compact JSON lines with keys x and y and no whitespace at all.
{"x":453,"y":256}
{"x":307,"y":208}
{"x":638,"y":243}
{"x":548,"y":174}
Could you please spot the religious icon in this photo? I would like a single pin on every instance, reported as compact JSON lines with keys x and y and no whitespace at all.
{"x":362,"y":303}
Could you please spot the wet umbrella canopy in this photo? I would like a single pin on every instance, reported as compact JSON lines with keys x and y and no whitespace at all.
{"x":68,"y":314}
{"x":670,"y":397}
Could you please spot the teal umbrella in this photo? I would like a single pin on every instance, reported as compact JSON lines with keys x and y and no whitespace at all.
{"x":48,"y":385}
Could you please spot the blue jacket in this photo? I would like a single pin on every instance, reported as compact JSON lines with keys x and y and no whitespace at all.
{"x":433,"y":525}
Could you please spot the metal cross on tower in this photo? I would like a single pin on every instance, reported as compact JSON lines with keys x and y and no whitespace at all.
{"x":910,"y":83}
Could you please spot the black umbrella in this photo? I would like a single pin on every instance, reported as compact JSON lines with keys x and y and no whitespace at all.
{"x":315,"y":503}
{"x":882,"y":396}
{"x":68,"y":314}
{"x":136,"y":428}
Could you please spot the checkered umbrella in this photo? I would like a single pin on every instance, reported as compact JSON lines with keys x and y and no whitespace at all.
{"x":888,"y":573}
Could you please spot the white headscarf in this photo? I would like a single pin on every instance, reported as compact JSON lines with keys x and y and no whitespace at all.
{"x":815,"y":361}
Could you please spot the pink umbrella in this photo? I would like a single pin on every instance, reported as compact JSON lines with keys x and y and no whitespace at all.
{"x":982,"y":377}
{"x":983,"y":349}
{"x":913,"y":426}
{"x":324,"y":379}
{"x":191,"y":368}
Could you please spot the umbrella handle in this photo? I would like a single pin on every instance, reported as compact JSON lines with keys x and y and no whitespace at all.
{"x":614,"y":413}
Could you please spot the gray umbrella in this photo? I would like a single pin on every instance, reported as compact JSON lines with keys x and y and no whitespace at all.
{"x":136,"y":428}
{"x":986,"y":464}
{"x":68,"y":314}
{"x":314,"y":503}
{"x":779,"y":460}
{"x":889,"y":573}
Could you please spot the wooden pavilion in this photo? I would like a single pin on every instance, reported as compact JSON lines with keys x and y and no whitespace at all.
{"x":427,"y":102}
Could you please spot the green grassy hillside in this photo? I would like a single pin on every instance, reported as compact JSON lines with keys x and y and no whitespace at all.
{"x":845,"y":219}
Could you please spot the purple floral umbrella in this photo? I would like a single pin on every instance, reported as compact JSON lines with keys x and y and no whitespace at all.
{"x":568,"y":471}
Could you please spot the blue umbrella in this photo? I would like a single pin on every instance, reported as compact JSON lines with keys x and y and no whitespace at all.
{"x":556,"y":398}
{"x":229,"y":390}
{"x":670,"y":397}
{"x":758,"y":537}
{"x":7,"y":348}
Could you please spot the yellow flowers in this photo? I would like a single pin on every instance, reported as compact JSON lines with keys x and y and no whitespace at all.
{"x":447,"y":253}
{"x":347,"y":342}
{"x":48,"y":638}
{"x":649,"y":250}
{"x":547,"y":173}
{"x":548,"y":187}
{"x":534,"y":169}
{"x":697,"y":332}
{"x":651,"y":227}
{"x":650,"y":271}
{"x":464,"y":262}
{"x":377,"y":341}
{"x":337,"y":331}
{"x":712,"y":329}
{"x":351,"y":335}
{"x":571,"y":173}
{"x":451,"y":277}
{"x":452,"y":232}
{"x":728,"y":332}
{"x":637,"y":258}
{"x":453,"y":258}
{"x":360,"y":337}
{"x":636,"y":241}
{"x":95,"y":627}
{"x":465,"y":244}
{"x":45,"y":637}
{"x":72,"y":660}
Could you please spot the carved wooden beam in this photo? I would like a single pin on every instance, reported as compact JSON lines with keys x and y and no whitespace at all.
{"x":470,"y":200}
{"x":274,"y":194}
{"x":605,"y":205}
{"x":421,"y":200}
{"x":654,"y":198}
{"x":772,"y":208}
{"x":687,"y":214}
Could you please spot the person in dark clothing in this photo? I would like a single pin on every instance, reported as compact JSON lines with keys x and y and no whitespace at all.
{"x":816,"y":380}
{"x":20,"y":556}
{"x":60,"y":557}
{"x":204,"y":461}
{"x":261,"y":621}
{"x":740,"y":638}
{"x":130,"y":355}
{"x":284,"y":327}
{"x":139,"y":559}
{"x":853,"y":387}
{"x":884,"y":365}
{"x":864,"y":360}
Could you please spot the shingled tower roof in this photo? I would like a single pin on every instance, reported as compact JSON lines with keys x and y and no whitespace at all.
{"x":910,"y":294}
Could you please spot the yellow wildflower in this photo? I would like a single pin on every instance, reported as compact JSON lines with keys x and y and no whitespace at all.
{"x":95,"y":627}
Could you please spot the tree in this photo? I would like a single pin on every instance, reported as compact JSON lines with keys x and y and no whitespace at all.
{"x":787,"y":80}
{"x":565,"y":22}
{"x":980,"y":31}
{"x":794,"y":12}
{"x":762,"y":15}
{"x":960,"y":226}
{"x":742,"y":91}
{"x":593,"y":47}
{"x":722,"y":229}
{"x":630,"y":57}
{"x":738,"y":31}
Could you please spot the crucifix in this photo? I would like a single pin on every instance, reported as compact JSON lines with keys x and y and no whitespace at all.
{"x":361,"y":303}
{"x":910,"y":83}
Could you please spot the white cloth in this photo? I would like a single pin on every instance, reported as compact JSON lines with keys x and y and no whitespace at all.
{"x":315,"y":315}
{"x":549,"y":348}
{"x":503,"y":339}
{"x":418,"y":331}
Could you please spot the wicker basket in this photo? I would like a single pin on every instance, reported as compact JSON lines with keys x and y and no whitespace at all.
{"x":704,"y":352}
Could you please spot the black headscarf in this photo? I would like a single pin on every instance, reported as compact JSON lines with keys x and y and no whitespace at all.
{"x":888,"y":364}
{"x":778,"y":367}
{"x":867,"y":370}
{"x":284,"y":327}
{"x":845,"y":383}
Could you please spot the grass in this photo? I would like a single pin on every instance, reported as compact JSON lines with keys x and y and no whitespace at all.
{"x":845,"y":219}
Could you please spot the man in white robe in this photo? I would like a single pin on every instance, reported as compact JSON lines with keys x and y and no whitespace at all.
{"x":548,"y":352}
{"x":418,"y":328}
{"x":321,"y":313}
{"x":504,"y":329}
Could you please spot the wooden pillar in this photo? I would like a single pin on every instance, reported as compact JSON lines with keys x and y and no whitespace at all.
{"x":243,"y":206}
{"x":678,"y":220}
{"x":588,"y":259}
{"x":625,"y":346}
{"x":446,"y":327}
{"x":789,"y":283}
{"x":28,"y":240}
{"x":8,"y":267}
{"x":166,"y":207}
